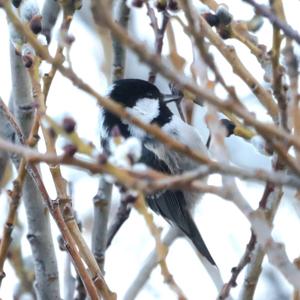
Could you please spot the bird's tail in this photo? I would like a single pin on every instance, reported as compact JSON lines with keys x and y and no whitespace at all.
{"x":208,"y":262}
{"x":194,"y":235}
{"x":214,"y":274}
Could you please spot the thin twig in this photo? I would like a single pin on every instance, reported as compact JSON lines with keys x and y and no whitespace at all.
{"x":264,"y":11}
{"x":161,"y":249}
{"x":154,"y":181}
{"x":150,"y":263}
{"x":119,"y":50}
{"x":60,"y":185}
{"x":235,"y":271}
{"x":121,"y":216}
{"x":159,"y":33}
{"x":264,"y":129}
{"x":238,"y":67}
{"x":71,"y":246}
{"x":102,"y":200}
{"x":278,"y":71}
{"x":86,"y":254}
{"x":239,"y":30}
{"x":100,"y":233}
{"x":259,"y":219}
{"x":39,"y":231}
{"x":270,"y":199}
{"x":14,"y":198}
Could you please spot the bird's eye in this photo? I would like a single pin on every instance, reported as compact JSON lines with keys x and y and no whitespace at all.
{"x":149,"y":95}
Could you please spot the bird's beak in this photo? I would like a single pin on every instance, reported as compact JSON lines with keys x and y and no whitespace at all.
{"x":171,"y":98}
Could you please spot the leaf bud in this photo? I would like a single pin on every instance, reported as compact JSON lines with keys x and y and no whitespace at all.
{"x":69,"y":124}
{"x":36,"y":24}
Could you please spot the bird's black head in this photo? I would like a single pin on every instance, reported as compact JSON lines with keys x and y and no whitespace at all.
{"x":142,"y":99}
{"x":229,"y":125}
{"x":129,"y":91}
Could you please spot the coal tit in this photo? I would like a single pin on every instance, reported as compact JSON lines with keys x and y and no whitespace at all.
{"x":145,"y":101}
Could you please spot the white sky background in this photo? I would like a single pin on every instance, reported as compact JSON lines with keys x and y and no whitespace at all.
{"x":224,"y":229}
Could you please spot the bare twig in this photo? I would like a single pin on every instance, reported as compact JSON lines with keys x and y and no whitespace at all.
{"x":14,"y":198}
{"x":278,"y":70}
{"x":158,"y":180}
{"x":71,"y":248}
{"x":121,"y":216}
{"x":264,"y":11}
{"x":39,"y":231}
{"x":100,"y":237}
{"x":69,"y":9}
{"x":270,"y":198}
{"x":230,"y":54}
{"x":86,"y":254}
{"x":119,"y":50}
{"x":67,"y":237}
{"x":264,"y":129}
{"x":169,"y":73}
{"x":258,"y":219}
{"x":150,"y":263}
{"x":239,"y":30}
{"x":245,"y":259}
{"x":161,"y":249}
{"x":5,"y":168}
{"x":159,"y":33}
{"x":103,"y":198}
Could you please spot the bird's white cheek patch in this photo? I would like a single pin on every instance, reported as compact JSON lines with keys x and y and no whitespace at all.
{"x":146,"y":110}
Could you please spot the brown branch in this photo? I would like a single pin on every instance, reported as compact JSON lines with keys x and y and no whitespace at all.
{"x":119,"y":50}
{"x":203,"y":51}
{"x":161,"y":248}
{"x":292,"y":64}
{"x":71,"y":246}
{"x":122,"y":215}
{"x":260,"y":221}
{"x":159,"y":33}
{"x":57,"y":177}
{"x":278,"y":71}
{"x":199,"y":39}
{"x":264,"y":11}
{"x":100,"y":233}
{"x":150,"y":263}
{"x":14,"y":198}
{"x":230,"y":55}
{"x":239,"y":31}
{"x":86,"y":254}
{"x":264,"y":129}
{"x":155,"y":181}
{"x":269,"y":203}
{"x":33,"y":172}
{"x":68,"y":12}
{"x":14,"y":195}
{"x":235,"y":271}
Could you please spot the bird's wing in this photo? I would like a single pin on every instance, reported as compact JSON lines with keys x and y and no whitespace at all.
{"x":171,"y":204}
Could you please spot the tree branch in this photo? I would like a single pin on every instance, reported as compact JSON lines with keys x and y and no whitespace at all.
{"x":264,"y":11}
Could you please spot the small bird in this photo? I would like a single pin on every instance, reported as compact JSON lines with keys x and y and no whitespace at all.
{"x":145,"y":101}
